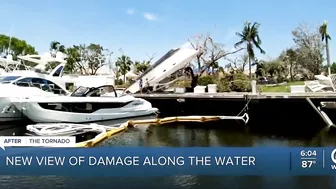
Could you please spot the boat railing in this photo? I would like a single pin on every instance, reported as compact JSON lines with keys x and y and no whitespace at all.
{"x":9,"y":67}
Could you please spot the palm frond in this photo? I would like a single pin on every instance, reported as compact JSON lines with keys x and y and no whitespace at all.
{"x":257,"y":44}
{"x":240,"y":35}
{"x":239,"y":43}
{"x":258,"y":40}
{"x":255,"y":26}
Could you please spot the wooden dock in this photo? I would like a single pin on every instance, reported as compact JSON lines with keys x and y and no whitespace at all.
{"x":238,"y":95}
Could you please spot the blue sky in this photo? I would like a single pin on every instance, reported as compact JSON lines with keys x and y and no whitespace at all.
{"x":141,"y":27}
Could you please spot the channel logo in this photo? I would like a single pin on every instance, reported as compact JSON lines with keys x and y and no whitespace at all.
{"x":333,"y":159}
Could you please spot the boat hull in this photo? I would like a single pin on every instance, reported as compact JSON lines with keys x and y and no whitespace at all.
{"x":37,"y":114}
{"x":9,"y":112}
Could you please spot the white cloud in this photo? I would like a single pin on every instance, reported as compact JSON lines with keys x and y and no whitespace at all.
{"x":150,"y":16}
{"x":130,"y":11}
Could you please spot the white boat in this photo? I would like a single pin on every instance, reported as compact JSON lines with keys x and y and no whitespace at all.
{"x":84,"y":105}
{"x":171,"y":62}
{"x":27,"y":83}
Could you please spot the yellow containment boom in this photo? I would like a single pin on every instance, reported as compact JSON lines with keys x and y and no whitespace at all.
{"x":108,"y":131}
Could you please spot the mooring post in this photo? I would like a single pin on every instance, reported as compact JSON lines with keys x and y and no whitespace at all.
{"x":254,"y":87}
{"x":323,"y":115}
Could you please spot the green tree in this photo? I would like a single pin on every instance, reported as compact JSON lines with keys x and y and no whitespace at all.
{"x":123,"y":64}
{"x":250,"y":36}
{"x":333,"y":67}
{"x":141,"y":67}
{"x":290,"y":58}
{"x":72,"y":59}
{"x":85,"y":59}
{"x":325,"y":36}
{"x":261,"y":68}
{"x":96,"y":57}
{"x":56,"y":46}
{"x":15,"y":46}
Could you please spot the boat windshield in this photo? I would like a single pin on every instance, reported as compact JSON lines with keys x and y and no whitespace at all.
{"x":8,"y":79}
{"x":80,"y":91}
{"x":106,"y":90}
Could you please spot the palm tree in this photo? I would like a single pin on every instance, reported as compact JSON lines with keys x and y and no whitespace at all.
{"x":250,"y":36}
{"x":124,"y":65}
{"x":56,"y":47}
{"x":325,"y":36}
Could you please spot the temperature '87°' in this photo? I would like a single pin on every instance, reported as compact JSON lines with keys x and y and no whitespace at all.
{"x":308,"y":163}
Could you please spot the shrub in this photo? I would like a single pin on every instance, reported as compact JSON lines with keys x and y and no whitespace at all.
{"x":119,"y":82}
{"x":205,"y":80}
{"x":223,"y":85}
{"x":282,"y":79}
{"x":238,"y":82}
{"x":241,"y":83}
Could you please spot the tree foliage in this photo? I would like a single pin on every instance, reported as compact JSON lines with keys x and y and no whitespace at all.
{"x":250,"y":37}
{"x":326,"y":37}
{"x":142,"y":66}
{"x":290,"y":58}
{"x":57,"y":46}
{"x":15,"y":46}
{"x":309,"y":48}
{"x":124,"y":64}
{"x":83,"y":59}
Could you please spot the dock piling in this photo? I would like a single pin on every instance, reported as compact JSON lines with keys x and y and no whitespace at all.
{"x":254,"y":87}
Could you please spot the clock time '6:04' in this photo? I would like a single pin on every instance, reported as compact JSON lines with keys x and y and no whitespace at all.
{"x":308,"y":153}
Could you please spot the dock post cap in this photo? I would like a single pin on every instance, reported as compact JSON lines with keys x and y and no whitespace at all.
{"x":254,"y":86}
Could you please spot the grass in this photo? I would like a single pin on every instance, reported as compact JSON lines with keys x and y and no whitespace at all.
{"x":279,"y":88}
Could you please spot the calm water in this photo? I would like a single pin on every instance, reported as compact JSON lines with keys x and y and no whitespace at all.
{"x":186,"y":135}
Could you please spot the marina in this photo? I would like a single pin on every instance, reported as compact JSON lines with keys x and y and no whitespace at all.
{"x":108,"y":76}
{"x":80,"y":112}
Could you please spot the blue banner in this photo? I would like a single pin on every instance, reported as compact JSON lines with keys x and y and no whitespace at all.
{"x":140,"y":161}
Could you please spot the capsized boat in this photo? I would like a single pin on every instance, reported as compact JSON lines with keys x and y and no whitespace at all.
{"x":85,"y":104}
{"x":168,"y":64}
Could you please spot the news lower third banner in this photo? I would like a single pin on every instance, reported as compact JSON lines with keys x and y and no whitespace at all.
{"x":162,"y":161}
